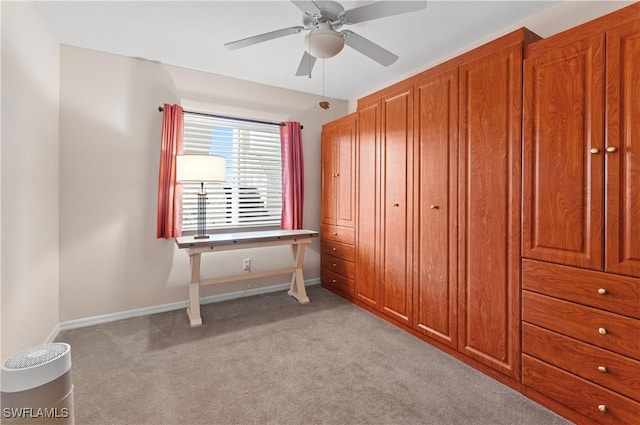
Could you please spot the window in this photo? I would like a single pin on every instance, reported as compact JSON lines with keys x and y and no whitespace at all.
{"x":251,"y":196}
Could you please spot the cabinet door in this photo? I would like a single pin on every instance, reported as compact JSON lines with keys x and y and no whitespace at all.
{"x":338,"y":171}
{"x":489,"y":222}
{"x":345,"y":171}
{"x":329,"y":199}
{"x":623,"y":165}
{"x":368,"y":182}
{"x":563,"y":154}
{"x":396,"y":134}
{"x":436,"y":151}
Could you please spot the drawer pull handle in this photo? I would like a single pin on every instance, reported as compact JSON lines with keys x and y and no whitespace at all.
{"x":434,"y":207}
{"x":334,"y":249}
{"x":595,"y":151}
{"x":602,"y":369}
{"x":602,"y":408}
{"x":335,"y":233}
{"x":602,"y":291}
{"x":611,"y":149}
{"x":602,"y":331}
{"x":334,"y":281}
{"x":396,"y":204}
{"x":334,"y":264}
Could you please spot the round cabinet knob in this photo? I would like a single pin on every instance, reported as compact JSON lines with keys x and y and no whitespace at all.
{"x":602,"y":408}
{"x":434,"y":207}
{"x":334,"y":249}
{"x":335,"y":233}
{"x":396,"y":205}
{"x":602,"y":331}
{"x":602,"y":369}
{"x":338,"y":175}
{"x":594,"y":151}
{"x":611,"y":149}
{"x":334,"y":281}
{"x":334,"y":264}
{"x":602,"y":291}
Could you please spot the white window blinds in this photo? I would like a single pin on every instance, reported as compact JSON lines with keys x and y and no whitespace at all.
{"x":251,"y":196}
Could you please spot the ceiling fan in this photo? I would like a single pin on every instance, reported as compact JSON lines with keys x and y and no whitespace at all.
{"x":323,"y":19}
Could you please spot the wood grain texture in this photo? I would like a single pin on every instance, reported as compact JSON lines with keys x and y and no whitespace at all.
{"x":367,"y":287}
{"x":336,"y":282}
{"x":338,"y":234}
{"x":337,"y":249}
{"x":436,"y":147}
{"x":338,"y":265}
{"x":621,"y":294}
{"x":563,"y":181}
{"x":583,"y":323}
{"x":621,"y":374}
{"x":623,"y":166}
{"x":489,"y":209}
{"x":396,"y":201}
{"x":328,"y":199}
{"x":579,"y":394}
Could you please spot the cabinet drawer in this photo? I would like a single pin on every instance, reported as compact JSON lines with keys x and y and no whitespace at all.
{"x":579,"y":394}
{"x":338,"y":249}
{"x":607,"y":291}
{"x":606,"y":330}
{"x":339,"y":234}
{"x":337,"y":281}
{"x":611,"y":370}
{"x":338,"y":265}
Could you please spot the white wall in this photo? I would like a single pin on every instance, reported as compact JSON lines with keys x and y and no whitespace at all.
{"x":553,"y":20}
{"x":110,"y":259}
{"x":30,"y":104}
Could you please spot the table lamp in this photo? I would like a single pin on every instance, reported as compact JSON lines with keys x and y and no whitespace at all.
{"x":200,"y":169}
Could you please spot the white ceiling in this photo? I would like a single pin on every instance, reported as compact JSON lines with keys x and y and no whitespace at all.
{"x":192,"y":34}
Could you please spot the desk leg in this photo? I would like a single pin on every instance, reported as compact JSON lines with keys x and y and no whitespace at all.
{"x":298,"y":290}
{"x":193,"y":311}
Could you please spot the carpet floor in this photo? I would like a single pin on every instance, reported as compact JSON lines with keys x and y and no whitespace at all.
{"x":269,"y":360}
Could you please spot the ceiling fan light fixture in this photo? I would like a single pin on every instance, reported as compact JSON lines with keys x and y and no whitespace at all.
{"x":323,"y":43}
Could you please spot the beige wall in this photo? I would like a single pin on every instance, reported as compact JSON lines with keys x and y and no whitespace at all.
{"x":29,"y":253}
{"x":110,"y":259}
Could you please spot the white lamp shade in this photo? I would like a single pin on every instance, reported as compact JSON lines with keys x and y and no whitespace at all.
{"x":323,"y":43}
{"x":200,"y":168}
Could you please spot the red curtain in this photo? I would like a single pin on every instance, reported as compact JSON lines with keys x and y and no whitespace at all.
{"x":292,"y":175}
{"x":170,"y":193}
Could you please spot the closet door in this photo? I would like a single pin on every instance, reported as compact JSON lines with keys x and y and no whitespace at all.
{"x":563,"y":154}
{"x":436,"y":150}
{"x":367,"y":288}
{"x":623,"y":140}
{"x":396,"y":208}
{"x":329,"y":200}
{"x":489,"y":201}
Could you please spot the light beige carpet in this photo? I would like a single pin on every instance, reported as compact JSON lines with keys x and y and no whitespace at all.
{"x":270,"y":360}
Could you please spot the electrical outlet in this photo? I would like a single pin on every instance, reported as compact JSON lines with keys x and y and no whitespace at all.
{"x":246,"y":264}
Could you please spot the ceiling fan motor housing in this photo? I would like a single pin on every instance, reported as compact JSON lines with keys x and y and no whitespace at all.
{"x":323,"y":42}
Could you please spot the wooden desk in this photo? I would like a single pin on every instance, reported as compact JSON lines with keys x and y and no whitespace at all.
{"x":298,"y":239}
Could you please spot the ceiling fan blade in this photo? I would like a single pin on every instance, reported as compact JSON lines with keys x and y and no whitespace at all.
{"x":308,"y":7}
{"x":382,"y":9}
{"x":262,"y":37}
{"x":368,"y":48}
{"x":306,"y":65}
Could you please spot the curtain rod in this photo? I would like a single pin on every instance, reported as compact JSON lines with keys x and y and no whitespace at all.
{"x":279,"y":124}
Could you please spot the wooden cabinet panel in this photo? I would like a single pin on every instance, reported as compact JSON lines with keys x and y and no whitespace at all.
{"x":610,"y":331}
{"x":337,"y":265}
{"x":623,"y":165}
{"x":563,"y":191}
{"x":489,"y":209}
{"x":436,"y":149}
{"x":337,"y":249}
{"x":598,"y":403}
{"x":338,"y":171}
{"x":367,"y":288}
{"x":328,"y":180}
{"x":618,"y":294}
{"x":337,"y":233}
{"x":611,"y":370}
{"x":337,"y":282}
{"x":396,"y":204}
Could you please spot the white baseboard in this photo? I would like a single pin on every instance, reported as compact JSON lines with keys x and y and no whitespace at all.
{"x":112,"y":317}
{"x":53,"y":334}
